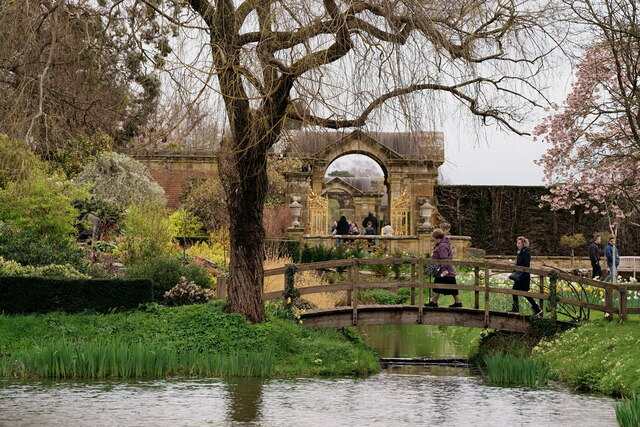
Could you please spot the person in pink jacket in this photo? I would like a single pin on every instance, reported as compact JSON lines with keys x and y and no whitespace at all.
{"x":446,"y":273}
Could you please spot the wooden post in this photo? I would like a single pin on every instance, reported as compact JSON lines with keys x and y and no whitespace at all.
{"x":608,"y":302}
{"x":486,"y":296}
{"x":349,"y":279}
{"x":542,"y":292}
{"x":476,"y":294}
{"x":622,"y":303}
{"x":553,"y":301}
{"x":420,"y":291}
{"x":221,"y":287}
{"x":413,"y":289}
{"x":354,"y":277}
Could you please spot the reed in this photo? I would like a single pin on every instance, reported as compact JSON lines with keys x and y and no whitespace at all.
{"x":628,"y":412}
{"x":65,"y":359}
{"x":506,"y":369}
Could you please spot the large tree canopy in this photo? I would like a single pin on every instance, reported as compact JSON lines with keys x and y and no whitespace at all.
{"x":66,"y":69}
{"x":337,"y":64}
{"x":593,"y":161}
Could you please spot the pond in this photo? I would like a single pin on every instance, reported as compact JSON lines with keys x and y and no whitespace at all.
{"x":408,"y":395}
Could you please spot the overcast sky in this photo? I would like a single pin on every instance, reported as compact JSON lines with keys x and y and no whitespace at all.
{"x":496,"y":158}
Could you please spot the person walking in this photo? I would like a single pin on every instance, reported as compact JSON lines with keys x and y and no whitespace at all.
{"x":594,"y":257}
{"x":446,"y":274}
{"x":522,"y":280}
{"x":609,"y":250}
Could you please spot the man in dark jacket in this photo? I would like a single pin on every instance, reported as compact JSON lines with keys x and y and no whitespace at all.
{"x":594,"y":256}
{"x":374,"y":222}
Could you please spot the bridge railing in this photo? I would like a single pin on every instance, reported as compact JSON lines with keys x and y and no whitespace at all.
{"x":419,"y":279}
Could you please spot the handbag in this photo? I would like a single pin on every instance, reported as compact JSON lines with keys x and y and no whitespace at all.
{"x":433,"y":269}
{"x":516,"y":276}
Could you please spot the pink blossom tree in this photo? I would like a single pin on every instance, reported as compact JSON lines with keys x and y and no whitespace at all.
{"x":593,"y":162}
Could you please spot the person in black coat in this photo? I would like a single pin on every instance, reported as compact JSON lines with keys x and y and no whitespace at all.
{"x":523,"y":282}
{"x":342,"y":229}
{"x":594,"y":257}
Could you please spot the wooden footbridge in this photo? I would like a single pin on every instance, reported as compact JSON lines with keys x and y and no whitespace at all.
{"x":557,"y":292}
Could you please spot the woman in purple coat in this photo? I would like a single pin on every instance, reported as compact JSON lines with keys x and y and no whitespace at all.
{"x":446,"y":273}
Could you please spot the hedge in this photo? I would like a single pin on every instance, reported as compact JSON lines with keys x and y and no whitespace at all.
{"x":21,"y":294}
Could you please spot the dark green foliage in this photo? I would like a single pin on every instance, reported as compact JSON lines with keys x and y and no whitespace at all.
{"x":500,"y":342}
{"x":22,"y":294}
{"x":110,"y":214}
{"x":320,"y":253}
{"x":284,"y":248}
{"x":31,"y":248}
{"x":190,"y":240}
{"x":165,"y":273}
{"x":382,"y":296}
{"x":495,"y":215}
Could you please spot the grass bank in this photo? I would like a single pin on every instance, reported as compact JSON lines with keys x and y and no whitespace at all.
{"x":197,"y":340}
{"x":597,"y":356}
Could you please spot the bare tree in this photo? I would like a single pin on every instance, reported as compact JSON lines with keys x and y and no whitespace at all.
{"x":343,"y":61}
{"x":66,"y":70}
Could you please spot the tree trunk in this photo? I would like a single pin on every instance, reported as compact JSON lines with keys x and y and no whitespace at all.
{"x":244,"y":177}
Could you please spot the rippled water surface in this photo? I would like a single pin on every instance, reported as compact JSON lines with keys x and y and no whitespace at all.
{"x":407,"y":396}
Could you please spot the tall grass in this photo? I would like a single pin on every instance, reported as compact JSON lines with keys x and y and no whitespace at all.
{"x":506,"y":369}
{"x":66,"y":359}
{"x":628,"y":412}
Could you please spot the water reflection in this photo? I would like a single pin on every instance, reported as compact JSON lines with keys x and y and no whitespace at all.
{"x":403,"y":395}
{"x":413,"y":341}
{"x":245,"y":395}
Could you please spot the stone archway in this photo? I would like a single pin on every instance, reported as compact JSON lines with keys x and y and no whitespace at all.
{"x":409,"y":161}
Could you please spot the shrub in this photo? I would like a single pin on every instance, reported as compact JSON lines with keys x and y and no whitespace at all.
{"x":184,"y":223}
{"x":147,"y":232}
{"x":166,"y":272}
{"x":22,"y":294}
{"x":187,"y":293}
{"x":41,"y":204}
{"x":30,"y":248}
{"x":382,"y":296}
{"x":119,"y":179}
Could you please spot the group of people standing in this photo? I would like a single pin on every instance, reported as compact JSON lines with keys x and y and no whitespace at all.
{"x":346,"y":227}
{"x":446,"y":273}
{"x":609,"y":251}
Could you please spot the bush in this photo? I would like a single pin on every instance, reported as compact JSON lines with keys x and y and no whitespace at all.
{"x":187,"y":293}
{"x":147,"y":232}
{"x":382,"y":296}
{"x":184,"y":223}
{"x":166,"y":272}
{"x":119,"y":179}
{"x":55,"y":271}
{"x":31,"y":248}
{"x":41,"y":204}
{"x":42,"y":295}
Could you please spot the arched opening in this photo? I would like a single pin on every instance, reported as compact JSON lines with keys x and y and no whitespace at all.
{"x":356,"y":185}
